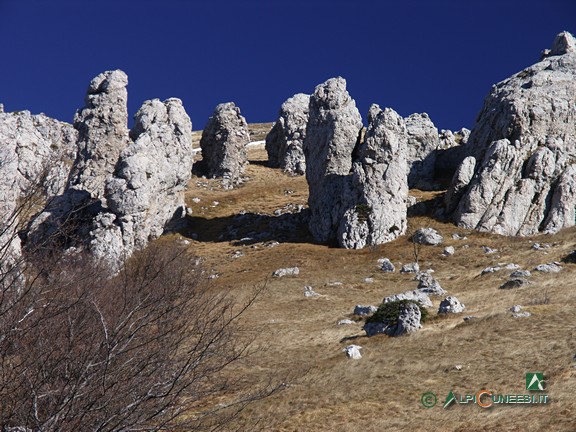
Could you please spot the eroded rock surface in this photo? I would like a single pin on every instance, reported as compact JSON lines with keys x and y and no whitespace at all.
{"x":223,"y":144}
{"x":358,"y":188}
{"x":524,"y":144}
{"x":284,"y":143}
{"x":113,"y":207}
{"x":332,"y":133}
{"x":102,"y":132}
{"x":423,"y":141}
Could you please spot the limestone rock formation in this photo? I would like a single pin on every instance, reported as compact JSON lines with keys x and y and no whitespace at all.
{"x":284,"y":143}
{"x":423,"y":140}
{"x":332,"y":132}
{"x":223,"y":144}
{"x":102,"y":132}
{"x":378,"y":185}
{"x":113,"y":207}
{"x":35,"y":154}
{"x":524,"y":143}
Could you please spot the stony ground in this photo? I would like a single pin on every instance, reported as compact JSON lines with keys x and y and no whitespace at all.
{"x":245,"y":234}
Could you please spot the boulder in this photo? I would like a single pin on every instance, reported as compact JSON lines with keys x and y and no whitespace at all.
{"x":284,"y":143}
{"x":423,"y":141}
{"x":520,"y":274}
{"x":427,"y":236}
{"x":549,"y":268}
{"x":448,"y":251}
{"x":524,"y":144}
{"x":450,"y":305}
{"x":386,"y":265}
{"x":102,"y":126}
{"x":288,"y":271}
{"x":429,"y":285}
{"x":410,"y":268}
{"x":223,"y":145}
{"x":407,"y":321}
{"x":353,"y":352}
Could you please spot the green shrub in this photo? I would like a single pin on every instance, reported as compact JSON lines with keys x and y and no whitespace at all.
{"x":388,"y":312}
{"x":363,"y":211}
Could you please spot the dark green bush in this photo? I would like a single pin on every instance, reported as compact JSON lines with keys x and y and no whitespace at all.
{"x":388,"y":312}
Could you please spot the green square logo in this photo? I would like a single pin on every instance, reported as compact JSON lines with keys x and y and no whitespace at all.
{"x":535,"y":381}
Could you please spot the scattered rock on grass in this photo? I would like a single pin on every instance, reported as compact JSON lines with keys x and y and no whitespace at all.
{"x":427,"y":236}
{"x":353,"y":352}
{"x":549,"y":268}
{"x":450,"y":305}
{"x":410,"y":268}
{"x":448,"y":251}
{"x":386,"y":265}
{"x":524,"y":314}
{"x":309,"y":292}
{"x":345,"y":322}
{"x":429,"y":285}
{"x":364,"y":310}
{"x":288,"y":271}
{"x":520,"y":274}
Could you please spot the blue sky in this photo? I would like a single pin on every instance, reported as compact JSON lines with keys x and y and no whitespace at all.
{"x":439,"y":57}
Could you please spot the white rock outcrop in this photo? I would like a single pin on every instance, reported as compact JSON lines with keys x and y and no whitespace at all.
{"x":285,"y":141}
{"x":524,"y":146}
{"x":223,"y":144}
{"x":379,"y":186}
{"x":332,"y":132}
{"x":115,"y":206}
{"x":102,"y":132}
{"x":357,"y":188}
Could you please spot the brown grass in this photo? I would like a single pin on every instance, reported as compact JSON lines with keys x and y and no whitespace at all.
{"x":298,"y":337}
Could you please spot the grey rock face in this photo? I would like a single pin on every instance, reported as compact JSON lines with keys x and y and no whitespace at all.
{"x":147,"y":189}
{"x":223,"y":144}
{"x":102,"y":132}
{"x":113,"y":208}
{"x":332,"y":132}
{"x":450,"y":305}
{"x":357,"y":189}
{"x":35,"y":155}
{"x":423,"y":140}
{"x":408,"y":321}
{"x":284,"y":143}
{"x":378,"y":184}
{"x":548,"y":268}
{"x":460,"y":183}
{"x":427,"y":236}
{"x":524,"y":143}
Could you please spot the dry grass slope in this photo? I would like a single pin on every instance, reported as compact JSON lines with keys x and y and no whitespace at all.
{"x":298,"y":336}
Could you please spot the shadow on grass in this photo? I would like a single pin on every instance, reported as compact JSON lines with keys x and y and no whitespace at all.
{"x":248,"y":228}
